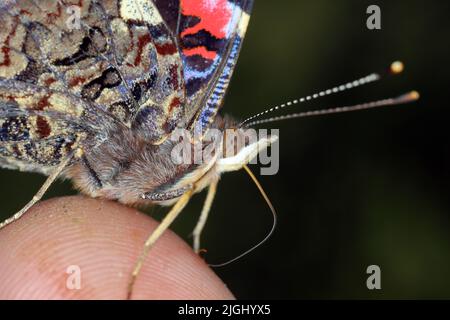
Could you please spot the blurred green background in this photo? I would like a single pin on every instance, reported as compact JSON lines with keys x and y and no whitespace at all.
{"x":353,"y":190}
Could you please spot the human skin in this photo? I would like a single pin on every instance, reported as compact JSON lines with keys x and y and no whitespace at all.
{"x":102,"y":240}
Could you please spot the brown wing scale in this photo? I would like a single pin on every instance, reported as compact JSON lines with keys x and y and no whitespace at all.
{"x":68,"y":69}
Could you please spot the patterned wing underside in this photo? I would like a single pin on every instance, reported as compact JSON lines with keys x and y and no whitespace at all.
{"x":210,"y":34}
{"x":39,"y":126}
{"x":66,"y":67}
{"x":70,"y":67}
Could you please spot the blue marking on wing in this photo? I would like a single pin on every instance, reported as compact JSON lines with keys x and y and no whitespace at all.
{"x":215,"y":99}
{"x":191,"y":73}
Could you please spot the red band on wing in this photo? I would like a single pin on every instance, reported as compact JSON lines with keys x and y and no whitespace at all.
{"x":202,"y":51}
{"x":214,"y":15}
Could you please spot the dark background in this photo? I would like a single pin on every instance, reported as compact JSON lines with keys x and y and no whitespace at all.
{"x":353,"y":190}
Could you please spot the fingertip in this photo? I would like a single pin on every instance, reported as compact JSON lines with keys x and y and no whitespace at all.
{"x":82,"y":248}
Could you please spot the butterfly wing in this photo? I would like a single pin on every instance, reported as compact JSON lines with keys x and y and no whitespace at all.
{"x":40,"y":126}
{"x":116,"y":55}
{"x":70,"y":69}
{"x":209,"y":34}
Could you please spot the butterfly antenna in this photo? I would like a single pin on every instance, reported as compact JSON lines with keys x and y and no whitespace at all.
{"x":395,"y":68}
{"x":269,"y":234}
{"x":405,"y":98}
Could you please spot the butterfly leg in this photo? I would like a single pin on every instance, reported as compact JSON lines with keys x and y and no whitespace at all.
{"x":204,"y":215}
{"x":38,"y":196}
{"x":155,"y":235}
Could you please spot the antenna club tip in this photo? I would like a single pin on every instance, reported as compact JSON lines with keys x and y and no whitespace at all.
{"x":415,"y":95}
{"x":408,"y":97}
{"x":397,"y":67}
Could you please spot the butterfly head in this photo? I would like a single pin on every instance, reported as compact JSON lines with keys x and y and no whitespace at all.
{"x":201,"y":159}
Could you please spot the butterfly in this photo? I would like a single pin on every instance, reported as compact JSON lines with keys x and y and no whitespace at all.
{"x":94,"y":91}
